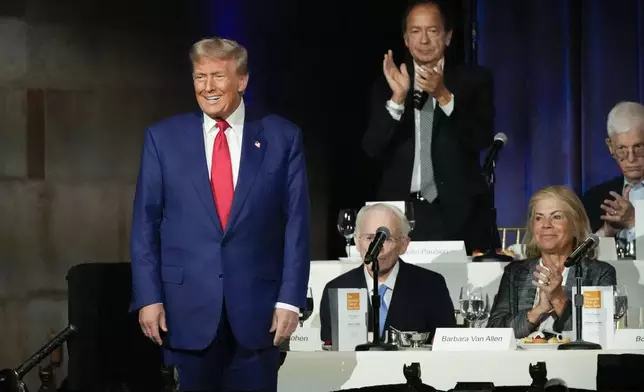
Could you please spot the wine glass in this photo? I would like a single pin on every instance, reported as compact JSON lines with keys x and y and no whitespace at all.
{"x":620,"y":296}
{"x":485,"y":314}
{"x":409,"y":213}
{"x":307,"y":311}
{"x":472,"y":304}
{"x":347,"y":226}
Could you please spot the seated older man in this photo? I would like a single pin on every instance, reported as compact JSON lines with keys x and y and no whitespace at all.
{"x":610,"y":204}
{"x":413,"y":298}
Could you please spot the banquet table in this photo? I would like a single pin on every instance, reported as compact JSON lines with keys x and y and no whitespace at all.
{"x":330,"y":371}
{"x":487,"y":275}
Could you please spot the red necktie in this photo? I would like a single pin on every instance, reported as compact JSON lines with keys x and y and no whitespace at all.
{"x":221,"y":174}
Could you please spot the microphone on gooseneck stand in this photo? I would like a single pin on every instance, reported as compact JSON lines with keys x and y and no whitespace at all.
{"x":11,"y":379}
{"x":582,"y":250}
{"x":488,"y":172}
{"x":575,"y":259}
{"x":376,"y":245}
{"x":490,"y":160}
{"x":371,"y":257}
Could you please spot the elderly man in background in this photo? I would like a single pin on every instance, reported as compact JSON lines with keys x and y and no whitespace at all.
{"x":610,"y":204}
{"x":412,"y":298}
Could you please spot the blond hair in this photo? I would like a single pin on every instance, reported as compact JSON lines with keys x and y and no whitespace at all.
{"x":222,"y":49}
{"x":574,"y":211}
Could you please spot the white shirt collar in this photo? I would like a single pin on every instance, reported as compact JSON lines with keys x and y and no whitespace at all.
{"x":440,"y":64}
{"x":635,"y":185}
{"x":235,"y":120}
{"x":391,"y":279}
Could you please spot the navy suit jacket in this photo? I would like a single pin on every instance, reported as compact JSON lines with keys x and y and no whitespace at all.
{"x":183,"y":258}
{"x":420,"y":300}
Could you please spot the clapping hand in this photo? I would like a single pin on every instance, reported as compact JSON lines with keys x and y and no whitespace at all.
{"x":549,"y":280}
{"x":397,"y":78}
{"x":619,"y":212}
{"x":430,"y":80}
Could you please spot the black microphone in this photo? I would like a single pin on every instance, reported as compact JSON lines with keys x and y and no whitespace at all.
{"x":376,"y":245}
{"x":499,"y":141}
{"x":582,"y":250}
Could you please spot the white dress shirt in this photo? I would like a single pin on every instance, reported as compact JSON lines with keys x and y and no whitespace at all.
{"x":548,"y":324}
{"x":396,"y":111}
{"x":390,"y":283}
{"x":637,"y":193}
{"x":234,"y":135}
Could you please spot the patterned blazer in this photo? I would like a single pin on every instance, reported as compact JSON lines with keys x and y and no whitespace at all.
{"x":516,"y":295}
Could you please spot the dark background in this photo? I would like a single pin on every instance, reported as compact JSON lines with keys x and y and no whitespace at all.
{"x":80,"y":80}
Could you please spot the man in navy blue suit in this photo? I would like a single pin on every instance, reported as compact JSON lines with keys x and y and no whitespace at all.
{"x":220,"y":232}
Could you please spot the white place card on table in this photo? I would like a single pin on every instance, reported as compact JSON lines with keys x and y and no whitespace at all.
{"x":435,"y":251}
{"x":639,"y":229}
{"x":348,"y":318}
{"x":419,"y":252}
{"x":597,"y":314}
{"x":474,"y":339}
{"x":305,"y":339}
{"x":606,"y":250}
{"x":628,"y":339}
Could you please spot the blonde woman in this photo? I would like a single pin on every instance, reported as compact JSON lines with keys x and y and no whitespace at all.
{"x":536,"y":294}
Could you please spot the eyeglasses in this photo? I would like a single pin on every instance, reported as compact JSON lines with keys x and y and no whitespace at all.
{"x":368,"y":238}
{"x":621,"y":152}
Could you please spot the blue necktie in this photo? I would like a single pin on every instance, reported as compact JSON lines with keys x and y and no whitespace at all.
{"x":383,"y":307}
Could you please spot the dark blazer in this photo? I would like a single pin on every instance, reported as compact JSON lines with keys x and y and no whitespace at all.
{"x":516,"y":295}
{"x":594,"y":198}
{"x":457,"y":141}
{"x":420,"y":300}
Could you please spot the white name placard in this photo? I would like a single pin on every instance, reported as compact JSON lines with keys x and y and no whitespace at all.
{"x":628,"y":339}
{"x":606,"y":250}
{"x":474,"y":339}
{"x":305,"y":339}
{"x":419,"y":252}
{"x":348,"y":318}
{"x":435,"y":252}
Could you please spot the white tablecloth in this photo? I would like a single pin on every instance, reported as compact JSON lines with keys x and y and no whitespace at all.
{"x":330,"y":371}
{"x":486,"y":275}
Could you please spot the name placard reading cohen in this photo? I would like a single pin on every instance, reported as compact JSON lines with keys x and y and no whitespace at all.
{"x":474,"y":339}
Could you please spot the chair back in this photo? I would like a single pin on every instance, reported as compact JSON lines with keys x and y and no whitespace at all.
{"x":109,"y":351}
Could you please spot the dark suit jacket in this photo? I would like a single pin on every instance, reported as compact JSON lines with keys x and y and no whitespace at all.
{"x":420,"y":300}
{"x":516,"y":294}
{"x":457,"y":141}
{"x":594,"y":198}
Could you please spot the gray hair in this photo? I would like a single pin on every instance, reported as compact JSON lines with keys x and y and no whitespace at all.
{"x":223,"y":49}
{"x":403,"y":223}
{"x":625,"y":117}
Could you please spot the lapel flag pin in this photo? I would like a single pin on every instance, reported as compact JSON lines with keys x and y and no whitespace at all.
{"x":257,"y":144}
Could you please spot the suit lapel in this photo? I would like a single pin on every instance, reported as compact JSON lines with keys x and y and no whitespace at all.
{"x":527,"y":292}
{"x":196,"y":161}
{"x":398,"y":295}
{"x":252,"y":155}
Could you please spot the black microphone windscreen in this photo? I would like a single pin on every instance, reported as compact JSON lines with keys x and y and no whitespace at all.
{"x":384,"y":230}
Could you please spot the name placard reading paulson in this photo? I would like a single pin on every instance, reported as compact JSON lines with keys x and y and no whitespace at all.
{"x":474,"y":339}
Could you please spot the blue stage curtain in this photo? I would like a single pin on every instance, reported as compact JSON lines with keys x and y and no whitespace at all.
{"x":559,"y":66}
